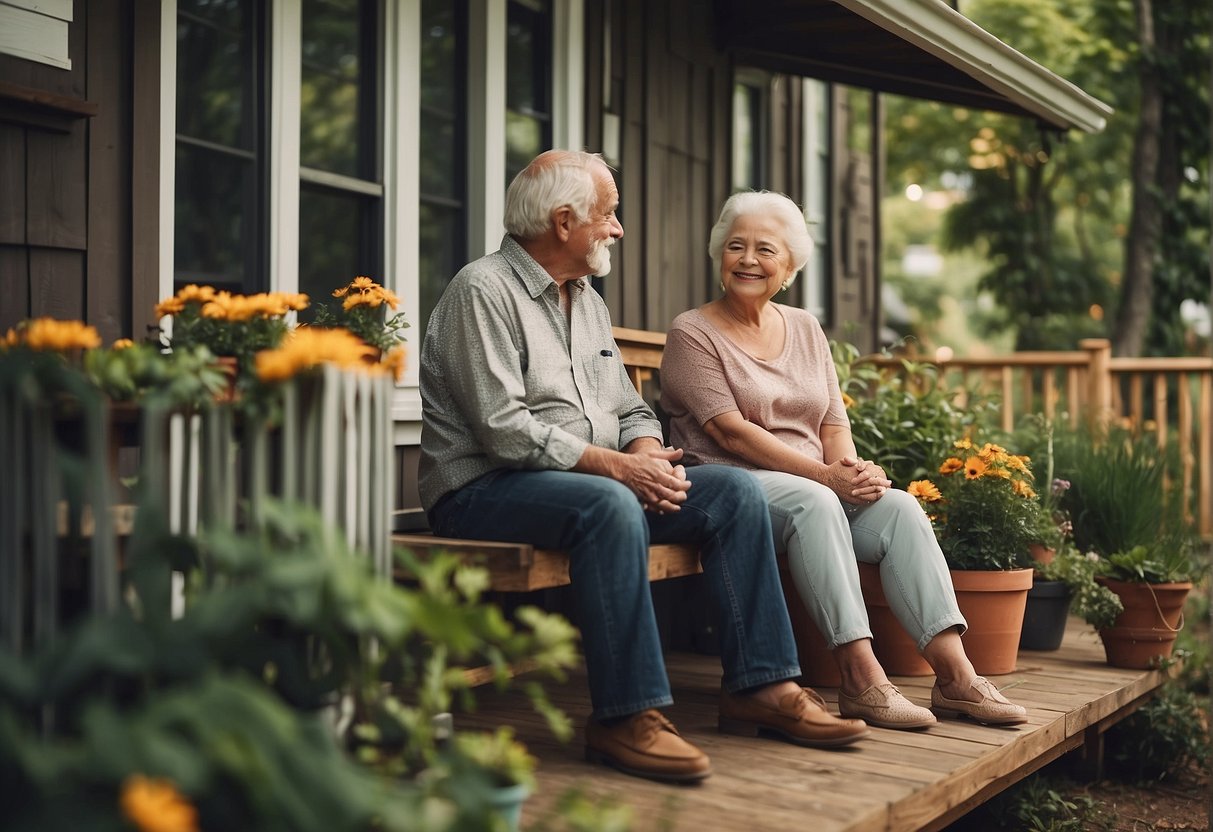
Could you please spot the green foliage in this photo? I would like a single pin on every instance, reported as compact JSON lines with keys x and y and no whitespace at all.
{"x":1124,"y":494}
{"x":232,"y":702}
{"x":500,"y":754}
{"x":903,"y":420}
{"x":1162,"y":565}
{"x":1161,"y":739}
{"x":186,"y":377}
{"x":1090,"y":601}
{"x":1038,"y":804}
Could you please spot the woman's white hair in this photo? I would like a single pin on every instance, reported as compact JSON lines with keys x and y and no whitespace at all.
{"x":769,"y":205}
{"x":552,"y":180}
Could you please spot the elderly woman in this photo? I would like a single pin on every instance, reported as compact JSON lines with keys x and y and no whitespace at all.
{"x":751,"y":383}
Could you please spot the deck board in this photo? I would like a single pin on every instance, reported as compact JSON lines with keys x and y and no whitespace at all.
{"x":894,"y":780}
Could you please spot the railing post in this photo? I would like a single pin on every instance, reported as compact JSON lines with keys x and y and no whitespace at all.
{"x":1099,"y":380}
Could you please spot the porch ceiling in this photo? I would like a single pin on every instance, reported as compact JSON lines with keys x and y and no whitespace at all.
{"x":920,"y":48}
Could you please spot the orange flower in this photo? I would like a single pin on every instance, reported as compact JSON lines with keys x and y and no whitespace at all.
{"x":169,"y":306}
{"x":951,"y":465}
{"x":195,"y":293}
{"x":1022,"y":489}
{"x":396,"y":361}
{"x":122,"y":344}
{"x":361,"y":299}
{"x":50,"y":335}
{"x":157,"y":806}
{"x":924,"y":490}
{"x":847,"y":401}
{"x":975,"y":466}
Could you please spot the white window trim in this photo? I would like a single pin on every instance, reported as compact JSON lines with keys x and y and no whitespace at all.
{"x":168,"y":148}
{"x":818,"y":226}
{"x":285,"y":75}
{"x":486,"y":102}
{"x":402,"y":184}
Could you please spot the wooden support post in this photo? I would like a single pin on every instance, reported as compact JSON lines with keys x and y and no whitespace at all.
{"x":1099,"y":379}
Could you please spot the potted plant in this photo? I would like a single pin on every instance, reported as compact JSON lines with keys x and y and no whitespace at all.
{"x":1128,"y":509}
{"x":368,"y":310}
{"x":509,"y":767}
{"x":985,"y":513}
{"x":233,"y":327}
{"x":1066,"y":584}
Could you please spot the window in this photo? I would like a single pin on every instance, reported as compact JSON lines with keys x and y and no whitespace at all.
{"x":340,"y":156}
{"x":528,"y":115}
{"x":749,"y":130}
{"x":221,"y":174}
{"x":816,"y":273}
{"x":443,"y":148}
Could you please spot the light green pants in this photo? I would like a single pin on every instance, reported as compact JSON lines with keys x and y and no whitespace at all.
{"x":824,"y":537}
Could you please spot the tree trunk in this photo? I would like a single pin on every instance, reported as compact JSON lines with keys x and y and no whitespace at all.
{"x":1145,"y":223}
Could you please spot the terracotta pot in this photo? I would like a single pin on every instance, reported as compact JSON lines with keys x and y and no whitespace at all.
{"x":1044,"y":617}
{"x":229,"y":365}
{"x":894,"y":648}
{"x":817,"y":666}
{"x":1145,"y":631}
{"x":992,"y":602}
{"x":1042,"y":554}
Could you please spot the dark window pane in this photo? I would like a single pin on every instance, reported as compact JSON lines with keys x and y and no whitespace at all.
{"x":443,"y":142}
{"x":442,"y":158}
{"x":441,"y":243}
{"x":226,"y":13}
{"x":441,"y":44}
{"x":214,"y":218}
{"x":336,"y":241}
{"x":338,"y":105}
{"x":528,"y":121}
{"x":215,"y":72}
{"x":525,"y":138}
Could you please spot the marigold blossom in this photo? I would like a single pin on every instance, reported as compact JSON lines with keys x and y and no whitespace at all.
{"x":155,"y":805}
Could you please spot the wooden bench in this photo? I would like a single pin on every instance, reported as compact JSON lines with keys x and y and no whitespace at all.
{"x":518,"y":567}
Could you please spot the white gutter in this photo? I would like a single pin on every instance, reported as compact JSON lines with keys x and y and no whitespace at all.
{"x":936,"y":28}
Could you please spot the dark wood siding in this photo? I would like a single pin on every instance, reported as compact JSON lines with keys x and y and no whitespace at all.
{"x":65,"y":173}
{"x":674,"y":143}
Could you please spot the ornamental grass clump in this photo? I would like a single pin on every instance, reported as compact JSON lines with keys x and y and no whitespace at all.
{"x":364,"y":311}
{"x":982,"y":506}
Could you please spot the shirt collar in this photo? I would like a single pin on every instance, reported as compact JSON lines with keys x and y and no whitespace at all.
{"x":534,"y":276}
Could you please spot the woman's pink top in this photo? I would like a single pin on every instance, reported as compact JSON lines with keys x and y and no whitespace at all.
{"x":704,"y":374}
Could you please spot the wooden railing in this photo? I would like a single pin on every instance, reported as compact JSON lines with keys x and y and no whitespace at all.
{"x":1171,"y":398}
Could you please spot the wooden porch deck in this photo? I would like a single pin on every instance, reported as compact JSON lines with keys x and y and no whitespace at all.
{"x":893,"y":780}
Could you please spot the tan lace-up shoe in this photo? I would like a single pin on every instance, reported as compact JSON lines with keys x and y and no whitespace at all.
{"x":885,"y":707}
{"x":646,"y":744}
{"x":992,"y":709}
{"x":801,"y":718}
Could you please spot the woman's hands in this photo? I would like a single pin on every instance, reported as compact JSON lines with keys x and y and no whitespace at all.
{"x":856,"y":481}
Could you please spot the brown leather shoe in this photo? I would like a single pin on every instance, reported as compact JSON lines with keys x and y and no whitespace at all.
{"x":646,"y":744}
{"x":801,"y":718}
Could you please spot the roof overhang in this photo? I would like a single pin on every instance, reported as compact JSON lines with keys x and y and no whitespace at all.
{"x":920,"y":48}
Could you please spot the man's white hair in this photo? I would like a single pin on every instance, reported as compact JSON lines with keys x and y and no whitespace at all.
{"x":552,"y":180}
{"x":768,"y":205}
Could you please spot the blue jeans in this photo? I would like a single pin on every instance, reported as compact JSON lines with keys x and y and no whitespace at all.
{"x":607,"y":533}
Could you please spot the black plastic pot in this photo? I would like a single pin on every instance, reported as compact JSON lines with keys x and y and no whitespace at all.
{"x":1044,"y":618}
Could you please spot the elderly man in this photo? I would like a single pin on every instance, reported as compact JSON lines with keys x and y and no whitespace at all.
{"x":532,"y":433}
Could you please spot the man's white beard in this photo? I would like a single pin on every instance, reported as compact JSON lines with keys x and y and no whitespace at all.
{"x":600,"y":257}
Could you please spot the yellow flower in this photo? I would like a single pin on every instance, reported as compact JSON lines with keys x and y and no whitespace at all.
{"x":122,"y":344}
{"x":847,"y":401}
{"x":157,"y":806}
{"x":308,"y":347}
{"x":363,"y":283}
{"x":389,"y":297}
{"x":48,"y":334}
{"x":951,"y":465}
{"x":11,"y":339}
{"x":924,"y":490}
{"x":962,"y":444}
{"x":975,"y":466}
{"x":195,"y":293}
{"x":169,"y":306}
{"x":1022,"y":489}
{"x":361,"y":299}
{"x":396,"y":361}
